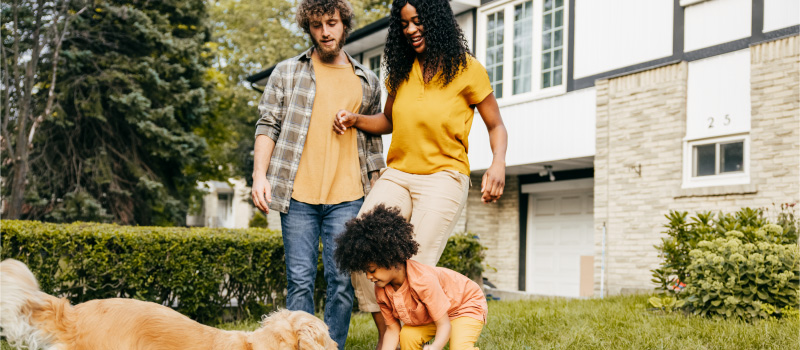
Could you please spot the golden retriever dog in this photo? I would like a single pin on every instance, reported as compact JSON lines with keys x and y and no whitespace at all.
{"x":33,"y":319}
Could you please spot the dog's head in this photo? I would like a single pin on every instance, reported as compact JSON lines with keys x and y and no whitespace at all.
{"x":292,"y":330}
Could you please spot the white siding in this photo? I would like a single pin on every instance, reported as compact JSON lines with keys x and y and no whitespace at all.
{"x":544,"y":130}
{"x":781,"y":14}
{"x":465,"y":21}
{"x":718,"y":101}
{"x":618,"y":33}
{"x":715,"y":22}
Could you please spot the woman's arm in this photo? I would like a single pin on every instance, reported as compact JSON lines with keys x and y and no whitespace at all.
{"x":377,"y":124}
{"x":494,"y":180}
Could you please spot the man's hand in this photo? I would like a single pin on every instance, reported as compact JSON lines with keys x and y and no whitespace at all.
{"x":494,"y":180}
{"x":344,"y":120}
{"x":373,"y":176}
{"x":262,"y":194}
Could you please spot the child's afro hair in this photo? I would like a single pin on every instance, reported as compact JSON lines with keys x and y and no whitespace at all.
{"x":380,"y":236}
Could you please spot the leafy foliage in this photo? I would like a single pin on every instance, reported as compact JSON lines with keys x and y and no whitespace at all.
{"x":732,"y":265}
{"x":198,"y":271}
{"x":130,"y":92}
{"x":744,"y":280}
{"x":684,"y":235}
{"x":666,"y":303}
{"x":258,"y":220}
{"x":465,"y":255}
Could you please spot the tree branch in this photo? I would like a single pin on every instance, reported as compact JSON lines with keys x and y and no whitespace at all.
{"x":51,"y":96}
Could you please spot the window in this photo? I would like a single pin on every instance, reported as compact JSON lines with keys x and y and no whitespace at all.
{"x":716,"y":162}
{"x":494,"y":51}
{"x":718,"y":158}
{"x":535,"y":58}
{"x":552,"y":42}
{"x":523,"y":46}
{"x":375,"y":65}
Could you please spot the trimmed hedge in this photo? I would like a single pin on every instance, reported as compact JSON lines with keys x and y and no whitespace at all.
{"x":198,"y":271}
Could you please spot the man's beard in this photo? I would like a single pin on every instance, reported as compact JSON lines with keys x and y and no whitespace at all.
{"x":328,"y":55}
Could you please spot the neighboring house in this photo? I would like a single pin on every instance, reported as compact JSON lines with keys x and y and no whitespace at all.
{"x":618,"y":112}
{"x":227,"y":207}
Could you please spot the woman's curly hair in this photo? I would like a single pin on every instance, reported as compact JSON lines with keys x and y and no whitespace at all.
{"x":314,"y":8}
{"x":446,"y":48}
{"x":380,"y":236}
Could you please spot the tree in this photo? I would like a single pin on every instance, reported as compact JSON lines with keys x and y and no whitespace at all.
{"x":120,"y":142}
{"x":33,"y":34}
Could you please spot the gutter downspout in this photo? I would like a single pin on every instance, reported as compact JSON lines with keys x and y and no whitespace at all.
{"x":603,"y":265}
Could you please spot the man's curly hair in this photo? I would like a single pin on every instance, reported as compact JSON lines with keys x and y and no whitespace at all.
{"x":446,"y":48}
{"x":315,"y":8}
{"x":380,"y":236}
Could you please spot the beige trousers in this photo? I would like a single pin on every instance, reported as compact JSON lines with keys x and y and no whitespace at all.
{"x":433,"y":203}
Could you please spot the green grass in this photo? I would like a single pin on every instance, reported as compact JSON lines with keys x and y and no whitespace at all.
{"x":612,"y":323}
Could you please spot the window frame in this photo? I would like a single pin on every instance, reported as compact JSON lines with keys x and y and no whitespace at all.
{"x":719,"y":179}
{"x":536,"y":91}
{"x":366,"y":57}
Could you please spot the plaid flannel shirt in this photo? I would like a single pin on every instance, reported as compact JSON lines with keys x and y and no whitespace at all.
{"x":285,"y":110}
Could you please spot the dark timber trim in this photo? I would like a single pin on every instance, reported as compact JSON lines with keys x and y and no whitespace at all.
{"x":523,"y":237}
{"x":571,"y":46}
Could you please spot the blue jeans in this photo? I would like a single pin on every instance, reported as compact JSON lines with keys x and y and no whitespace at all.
{"x":302,"y":227}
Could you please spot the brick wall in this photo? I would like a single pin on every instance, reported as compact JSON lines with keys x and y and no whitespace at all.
{"x":497,"y":225}
{"x":641,"y":120}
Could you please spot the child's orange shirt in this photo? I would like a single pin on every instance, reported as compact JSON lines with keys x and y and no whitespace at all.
{"x":430,"y":293}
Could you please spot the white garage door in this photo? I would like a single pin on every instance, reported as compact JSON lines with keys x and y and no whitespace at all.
{"x":559,"y":232}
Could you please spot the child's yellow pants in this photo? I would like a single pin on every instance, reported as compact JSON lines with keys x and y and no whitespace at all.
{"x":464,"y":332}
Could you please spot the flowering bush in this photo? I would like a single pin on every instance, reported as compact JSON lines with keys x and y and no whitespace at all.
{"x":727,"y":277}
{"x":738,"y":264}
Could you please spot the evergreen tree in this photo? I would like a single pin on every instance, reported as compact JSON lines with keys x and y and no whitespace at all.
{"x":120,"y":144}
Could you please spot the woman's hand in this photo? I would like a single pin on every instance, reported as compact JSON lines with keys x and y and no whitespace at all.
{"x":494,"y":180}
{"x":343,"y":120}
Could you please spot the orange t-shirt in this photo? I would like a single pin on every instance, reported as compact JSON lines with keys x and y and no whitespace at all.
{"x":329,"y":171}
{"x":430,"y":293}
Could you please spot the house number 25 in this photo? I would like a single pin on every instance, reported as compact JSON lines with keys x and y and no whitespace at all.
{"x":725,"y":121}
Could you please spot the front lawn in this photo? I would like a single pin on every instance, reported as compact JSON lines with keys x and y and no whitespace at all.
{"x":613,"y":323}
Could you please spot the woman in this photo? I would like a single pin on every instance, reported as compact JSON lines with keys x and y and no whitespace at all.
{"x":434,"y":85}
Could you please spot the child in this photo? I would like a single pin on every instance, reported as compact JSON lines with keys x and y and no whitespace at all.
{"x":428,"y":300}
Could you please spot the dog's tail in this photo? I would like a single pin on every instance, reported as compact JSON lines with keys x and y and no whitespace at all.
{"x":21,"y":301}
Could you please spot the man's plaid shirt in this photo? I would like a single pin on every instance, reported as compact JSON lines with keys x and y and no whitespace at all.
{"x":285,"y":110}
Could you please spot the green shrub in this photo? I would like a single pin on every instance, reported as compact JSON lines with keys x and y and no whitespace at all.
{"x":684,"y":235}
{"x":259,"y":220}
{"x":720,"y":259}
{"x":197,"y":270}
{"x":727,"y":277}
{"x":464,"y":254}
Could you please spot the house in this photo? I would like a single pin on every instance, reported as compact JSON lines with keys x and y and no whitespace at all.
{"x":227,"y":205}
{"x":619,"y":111}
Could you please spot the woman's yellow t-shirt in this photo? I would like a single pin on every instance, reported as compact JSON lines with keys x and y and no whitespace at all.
{"x":431,"y":123}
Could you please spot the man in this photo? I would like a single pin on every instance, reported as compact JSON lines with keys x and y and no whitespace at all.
{"x":315,"y":178}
